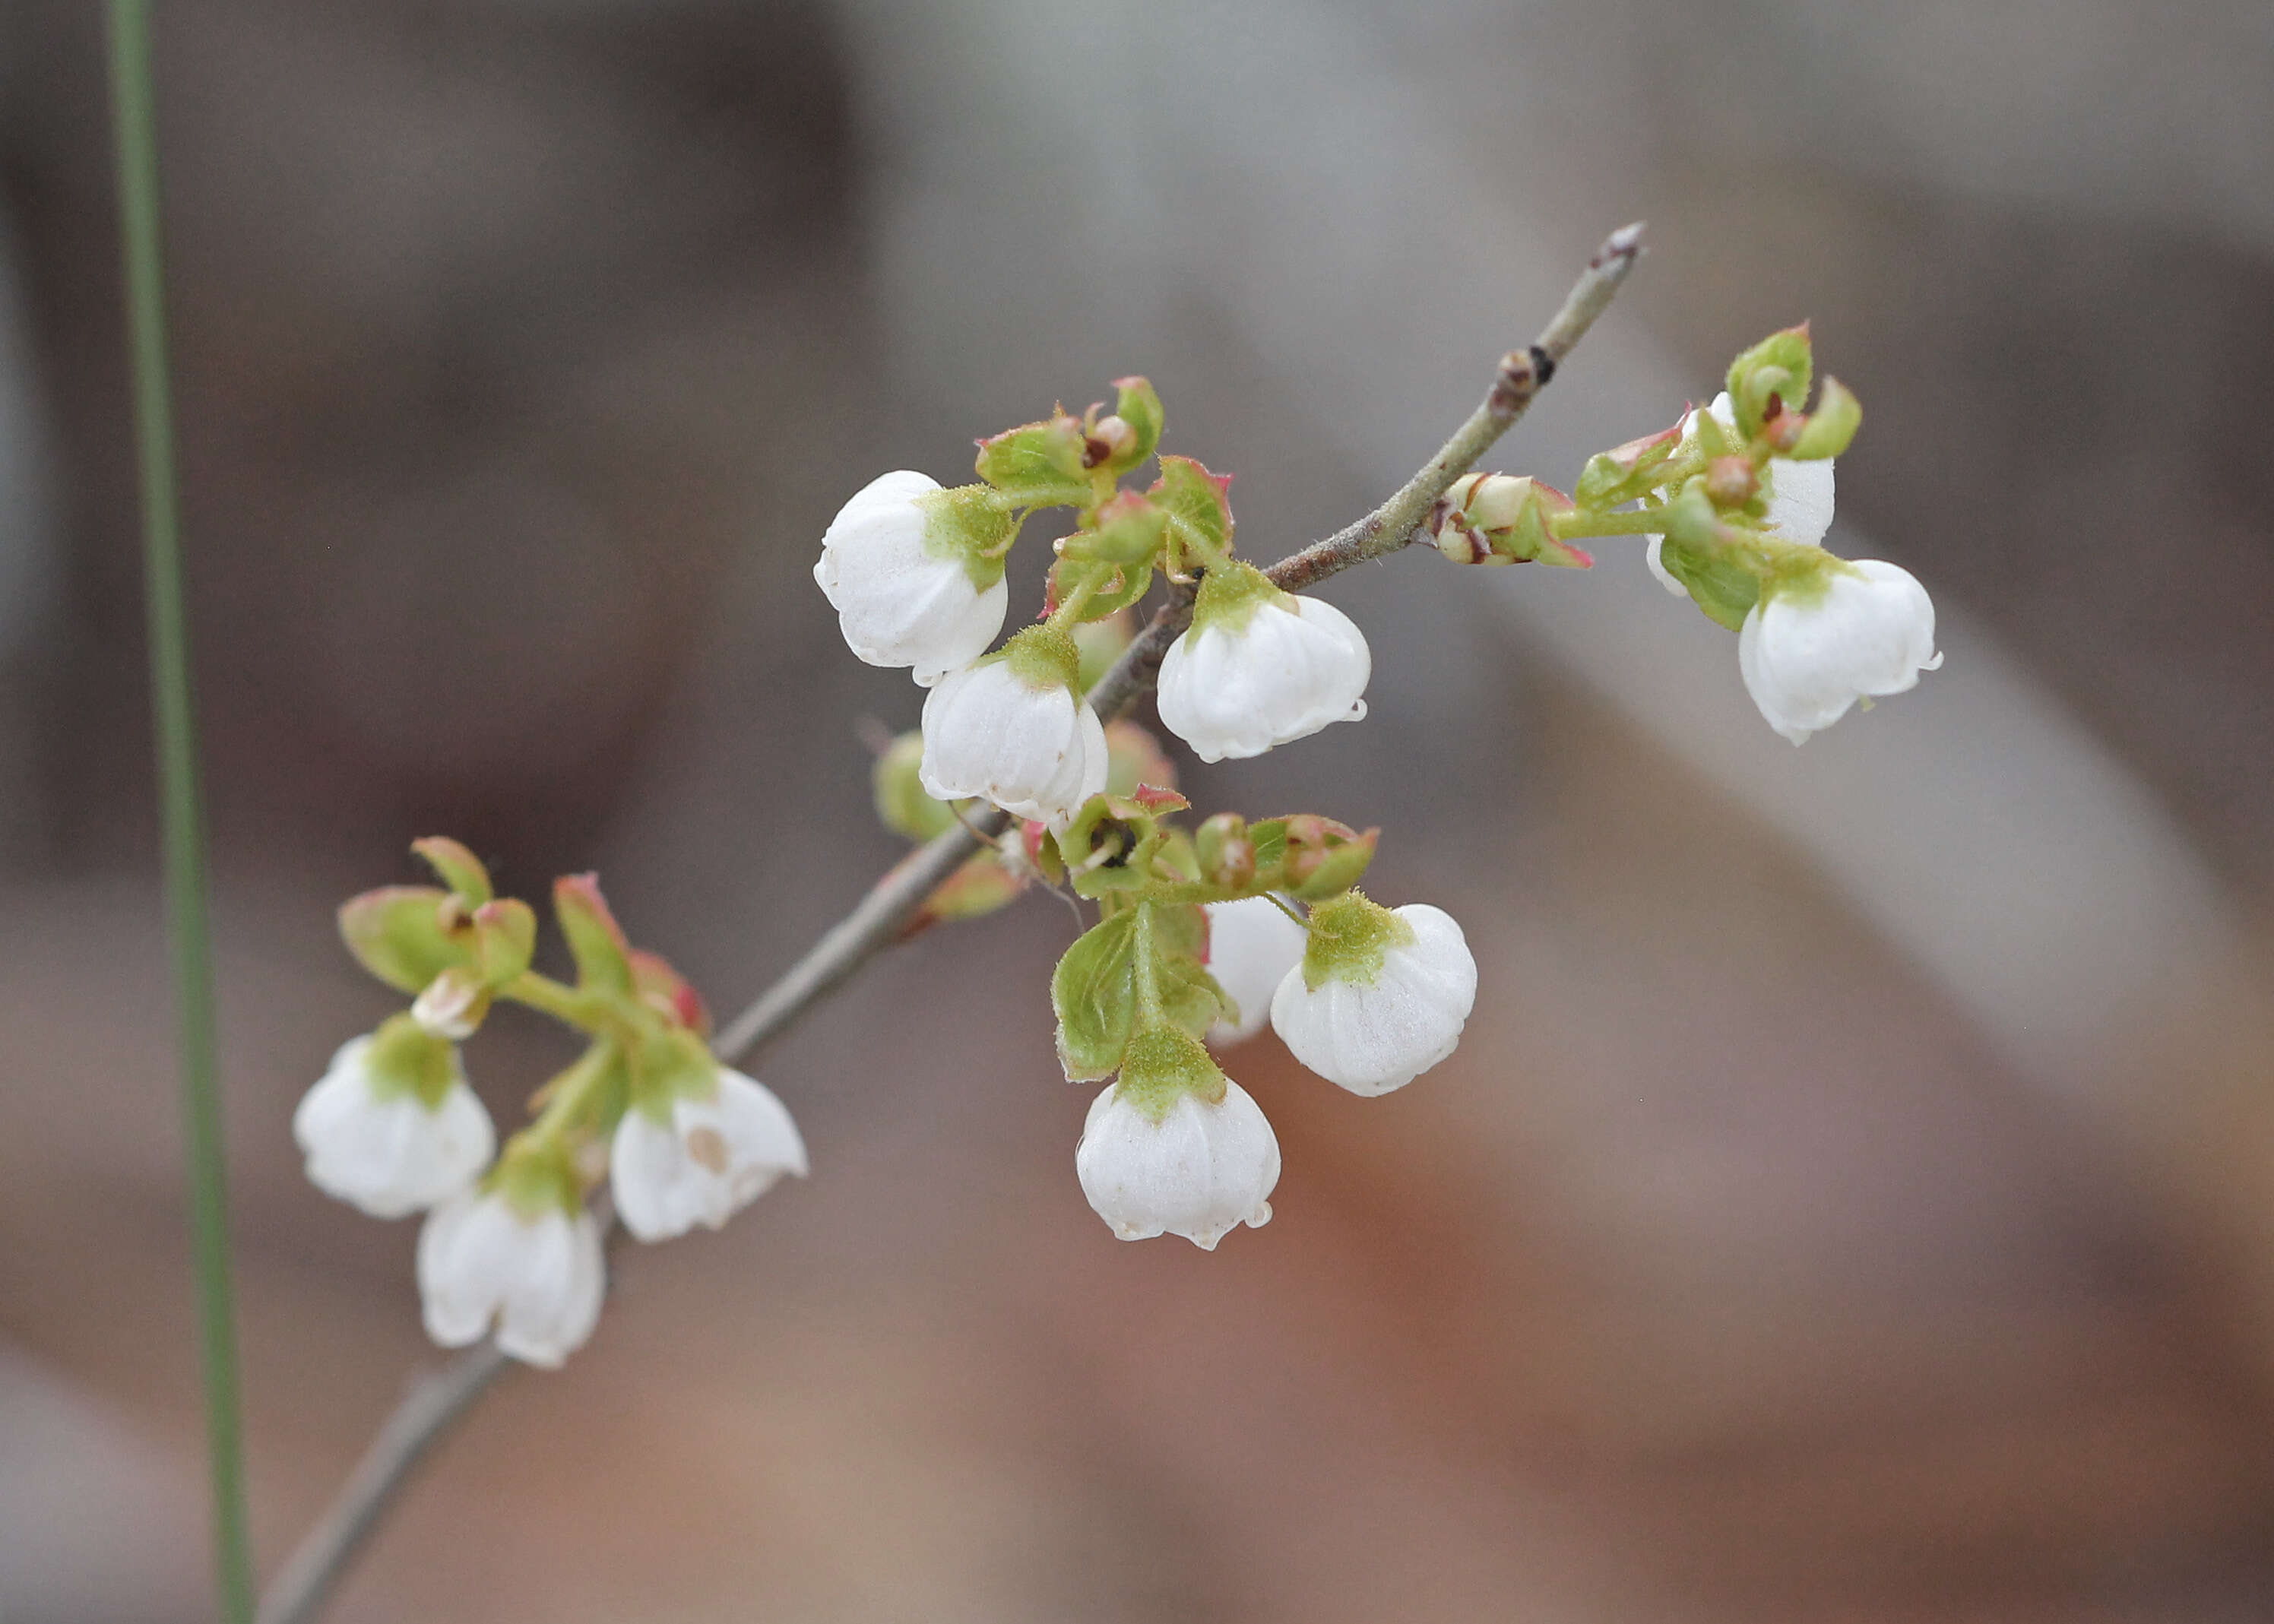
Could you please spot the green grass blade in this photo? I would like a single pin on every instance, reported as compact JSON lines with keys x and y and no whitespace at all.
{"x":175,"y":716}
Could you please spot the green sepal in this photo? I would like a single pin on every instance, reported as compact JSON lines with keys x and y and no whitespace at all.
{"x":537,"y":1173}
{"x":460,"y":869}
{"x":1040,"y":464}
{"x":1165,"y":1064}
{"x":400,"y":934}
{"x":1779,"y":367}
{"x":1720,"y":581}
{"x":661,"y":1069}
{"x":404,"y":1060}
{"x":1831,"y":427}
{"x":973,"y":525}
{"x":1198,"y":508}
{"x":1139,"y":407}
{"x":595,"y":942}
{"x":1043,"y":658}
{"x":1349,"y":938}
{"x":902,"y":806}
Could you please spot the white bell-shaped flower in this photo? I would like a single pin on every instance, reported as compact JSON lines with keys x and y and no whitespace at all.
{"x":391,"y":1126}
{"x":1382,"y":994}
{"x":704,"y":1160}
{"x":1251,"y":945}
{"x":537,"y":1277}
{"x":1158,"y":1156}
{"x":1800,"y":497}
{"x":897,"y":569}
{"x":1013,"y":730}
{"x":1858,"y":630}
{"x":1259,"y":666}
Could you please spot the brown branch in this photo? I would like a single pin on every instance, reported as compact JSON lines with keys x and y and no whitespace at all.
{"x":436,"y":1402}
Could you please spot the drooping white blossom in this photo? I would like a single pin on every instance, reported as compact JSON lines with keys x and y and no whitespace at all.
{"x":372,"y":1139}
{"x":1260,"y":668}
{"x":1251,"y":945}
{"x":704,"y":1159}
{"x":1201,"y":1170}
{"x":1859,"y":630}
{"x":1800,"y":497}
{"x":901,"y":587}
{"x":1014,"y":731}
{"x":1382,"y":996}
{"x":537,"y":1278}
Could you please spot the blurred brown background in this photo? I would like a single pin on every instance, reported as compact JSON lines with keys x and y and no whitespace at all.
{"x":1854,"y":1197}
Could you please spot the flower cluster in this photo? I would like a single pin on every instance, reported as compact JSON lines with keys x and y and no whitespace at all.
{"x":509,"y":1244}
{"x":1734,"y":501}
{"x":1202,"y":937}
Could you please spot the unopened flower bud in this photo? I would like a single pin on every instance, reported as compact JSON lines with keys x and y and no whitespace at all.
{"x":1253,"y":943}
{"x":1504,"y":519}
{"x":902,"y":806}
{"x":1731,"y":481}
{"x":1176,"y":1147}
{"x":1225,"y":850}
{"x":1109,"y":440}
{"x":1260,"y":668}
{"x":915,"y":573}
{"x":1381,"y":997}
{"x":1013,"y":731}
{"x":1811,"y":648}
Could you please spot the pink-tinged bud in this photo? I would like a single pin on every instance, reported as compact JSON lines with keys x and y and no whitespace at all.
{"x":1109,"y":440}
{"x":1504,"y":519}
{"x":662,"y":988}
{"x":1731,"y":481}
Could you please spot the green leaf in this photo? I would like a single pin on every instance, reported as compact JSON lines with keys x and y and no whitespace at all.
{"x":1780,"y":366}
{"x":1139,"y":408}
{"x":1199,"y":511}
{"x":505,"y":939}
{"x":595,"y":940}
{"x":397,"y":933}
{"x":460,"y":869}
{"x":1831,"y":427}
{"x":1040,"y":464}
{"x":1094,"y":994}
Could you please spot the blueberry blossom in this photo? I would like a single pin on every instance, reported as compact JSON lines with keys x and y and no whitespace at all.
{"x":1259,"y":666}
{"x":1253,"y":943}
{"x":535,"y":1272}
{"x":915,"y":573}
{"x":1176,"y":1147}
{"x":1815,"y":643}
{"x":701,"y":1155}
{"x":1381,"y":997}
{"x":1013,"y":730}
{"x":391,"y":1127}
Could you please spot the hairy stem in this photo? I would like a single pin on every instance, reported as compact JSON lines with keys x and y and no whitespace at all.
{"x":884,"y":915}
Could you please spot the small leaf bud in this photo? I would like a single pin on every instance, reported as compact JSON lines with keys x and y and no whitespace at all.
{"x":595,"y":940}
{"x":1731,"y":481}
{"x":902,"y":806}
{"x":1226,"y":854}
{"x":1504,"y":519}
